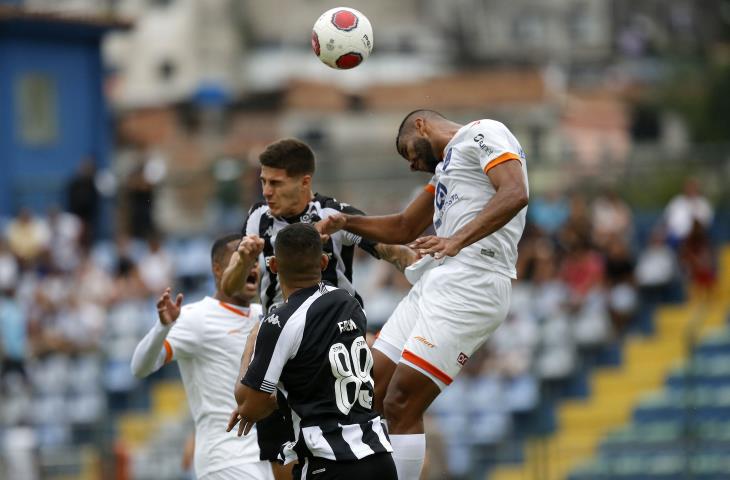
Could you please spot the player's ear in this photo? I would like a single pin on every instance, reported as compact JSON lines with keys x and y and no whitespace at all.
{"x":306,"y":180}
{"x":273,"y":265}
{"x":420,"y":125}
{"x":324,"y":261}
{"x":218,"y":270}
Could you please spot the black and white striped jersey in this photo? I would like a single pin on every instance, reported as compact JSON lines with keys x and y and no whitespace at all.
{"x":340,"y":247}
{"x":312,"y":348}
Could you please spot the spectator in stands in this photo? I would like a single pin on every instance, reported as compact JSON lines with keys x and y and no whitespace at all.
{"x":582,"y":270}
{"x":9,"y":269}
{"x":611,"y":218}
{"x":697,"y":257}
{"x":66,"y":232}
{"x":28,"y":236}
{"x":549,"y":212}
{"x":83,"y":197}
{"x":577,"y":228}
{"x":622,"y":294}
{"x":13,"y":336}
{"x":139,"y":194}
{"x":156,"y":267}
{"x":656,"y":269}
{"x":686,"y":208}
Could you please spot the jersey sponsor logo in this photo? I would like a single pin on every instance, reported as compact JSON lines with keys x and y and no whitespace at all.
{"x":447,"y":160}
{"x":488,"y":252}
{"x":441,"y":192}
{"x":462,"y":359}
{"x":273,"y":319}
{"x":425,"y":342}
{"x":347,"y":326}
{"x":479,"y":139}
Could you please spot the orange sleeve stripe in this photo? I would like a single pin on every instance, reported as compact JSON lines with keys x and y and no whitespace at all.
{"x":421,"y":363}
{"x":505,"y":157}
{"x":168,"y":352}
{"x":430,"y":188}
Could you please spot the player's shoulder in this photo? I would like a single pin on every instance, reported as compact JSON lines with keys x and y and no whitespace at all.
{"x":196,"y":307}
{"x":191,"y":314}
{"x":486,"y":126}
{"x":330,"y":296}
{"x":331,"y":206}
{"x":258,"y":208}
{"x":256,"y":310}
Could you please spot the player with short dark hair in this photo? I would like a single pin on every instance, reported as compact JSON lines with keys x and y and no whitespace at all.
{"x":461,"y":288}
{"x":206,"y":339}
{"x":291,"y":155}
{"x":312,"y":348}
{"x":287,"y":167}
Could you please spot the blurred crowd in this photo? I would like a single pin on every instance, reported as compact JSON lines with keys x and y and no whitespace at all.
{"x":73,"y":306}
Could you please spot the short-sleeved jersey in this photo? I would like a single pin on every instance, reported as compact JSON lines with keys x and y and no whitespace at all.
{"x":340,"y":247}
{"x":312,"y":348}
{"x":462,"y":188}
{"x":207,"y":341}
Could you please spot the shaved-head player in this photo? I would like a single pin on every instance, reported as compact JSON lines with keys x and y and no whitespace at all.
{"x":477,"y":202}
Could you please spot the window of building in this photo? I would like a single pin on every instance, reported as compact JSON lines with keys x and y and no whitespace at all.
{"x":37,"y":108}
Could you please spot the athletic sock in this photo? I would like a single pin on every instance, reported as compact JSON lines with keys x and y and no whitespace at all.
{"x":408,"y":454}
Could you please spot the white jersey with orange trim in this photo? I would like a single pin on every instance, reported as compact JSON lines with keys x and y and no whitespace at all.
{"x":462,"y":188}
{"x":207,"y":341}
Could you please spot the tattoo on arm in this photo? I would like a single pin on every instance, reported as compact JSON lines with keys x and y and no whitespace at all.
{"x":399,"y":256}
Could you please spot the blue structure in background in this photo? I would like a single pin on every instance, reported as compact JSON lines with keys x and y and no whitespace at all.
{"x":52,"y":108}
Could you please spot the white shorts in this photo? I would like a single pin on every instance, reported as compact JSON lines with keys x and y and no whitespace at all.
{"x":448,"y":314}
{"x":243,"y":471}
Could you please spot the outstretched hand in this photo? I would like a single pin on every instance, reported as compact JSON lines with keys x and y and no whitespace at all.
{"x":330,"y":225}
{"x":438,"y":247}
{"x":166,"y":309}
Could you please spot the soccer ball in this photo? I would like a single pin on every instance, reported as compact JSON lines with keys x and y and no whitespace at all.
{"x":342,"y":38}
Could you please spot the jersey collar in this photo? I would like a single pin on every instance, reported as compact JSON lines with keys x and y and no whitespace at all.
{"x":238,"y":310}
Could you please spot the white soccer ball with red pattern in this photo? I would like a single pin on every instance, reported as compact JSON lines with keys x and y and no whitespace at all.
{"x":342,"y":38}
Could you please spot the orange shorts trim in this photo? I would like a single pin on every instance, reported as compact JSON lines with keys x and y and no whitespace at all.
{"x":505,"y":157}
{"x":430,"y":188}
{"x":421,"y":363}
{"x":168,"y":352}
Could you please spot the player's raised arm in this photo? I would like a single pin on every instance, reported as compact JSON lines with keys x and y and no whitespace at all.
{"x":511,"y":196}
{"x":151,"y":352}
{"x":242,"y":260}
{"x":398,"y":228}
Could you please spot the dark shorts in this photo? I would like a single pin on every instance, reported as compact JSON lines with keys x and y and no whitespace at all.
{"x":274,"y":431}
{"x":379,"y":466}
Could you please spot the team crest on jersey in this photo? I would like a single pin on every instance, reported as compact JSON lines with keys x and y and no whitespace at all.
{"x":273,"y":319}
{"x":462,"y":359}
